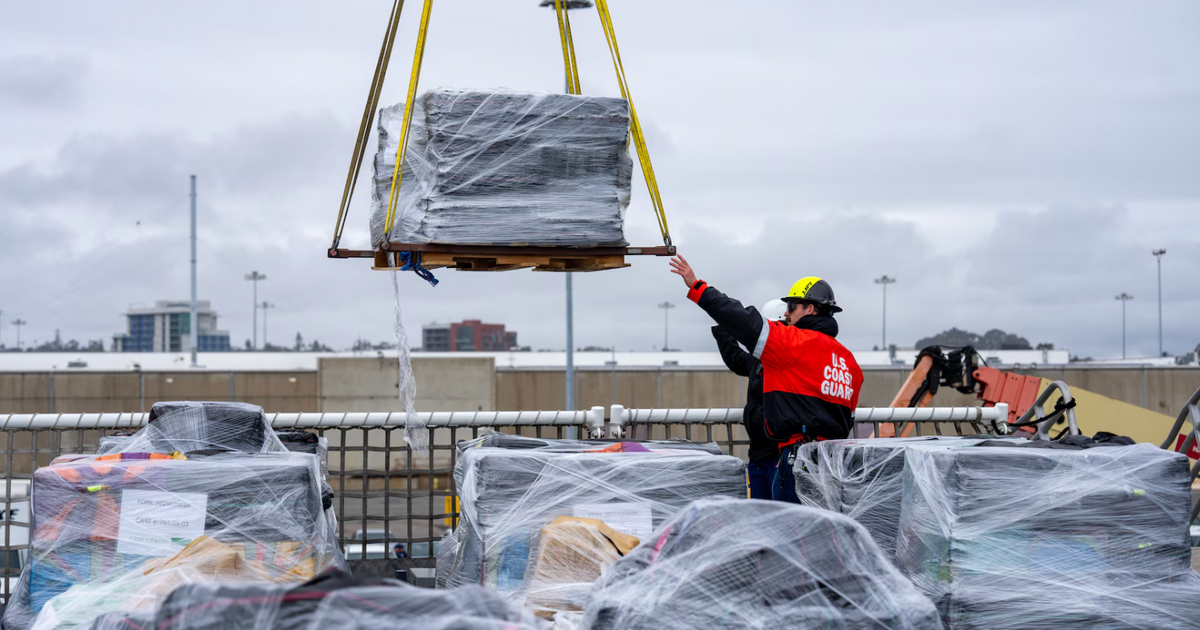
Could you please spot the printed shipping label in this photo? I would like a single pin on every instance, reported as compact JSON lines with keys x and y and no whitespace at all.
{"x":159,"y":523}
{"x":627,"y":518}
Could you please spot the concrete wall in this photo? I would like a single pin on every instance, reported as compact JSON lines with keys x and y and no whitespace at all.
{"x":470,"y":383}
{"x":467,"y":384}
{"x":86,"y":392}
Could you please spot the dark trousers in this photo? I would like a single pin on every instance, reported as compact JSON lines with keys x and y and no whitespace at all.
{"x":783,"y":482}
{"x":760,"y":473}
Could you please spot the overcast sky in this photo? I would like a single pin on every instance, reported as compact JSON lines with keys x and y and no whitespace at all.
{"x":1012,"y":163}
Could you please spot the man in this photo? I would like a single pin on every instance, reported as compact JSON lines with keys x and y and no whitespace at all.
{"x":400,"y":550}
{"x":763,"y":452}
{"x":810,"y":381}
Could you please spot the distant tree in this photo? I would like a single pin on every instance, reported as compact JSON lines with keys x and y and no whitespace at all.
{"x":994,"y":339}
{"x":1044,"y":346}
{"x":299,"y":343}
{"x":317,"y":346}
{"x":249,"y":346}
{"x":95,"y":345}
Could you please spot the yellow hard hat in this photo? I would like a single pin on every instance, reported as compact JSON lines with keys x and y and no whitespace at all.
{"x":815,"y":290}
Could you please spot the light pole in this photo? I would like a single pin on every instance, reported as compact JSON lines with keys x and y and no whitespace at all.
{"x":193,"y":324}
{"x":19,"y":323}
{"x":666,"y":307}
{"x":254,"y":277}
{"x":264,"y":306}
{"x":567,"y":5}
{"x":1158,"y":254}
{"x":1123,"y":298}
{"x":885,"y":280}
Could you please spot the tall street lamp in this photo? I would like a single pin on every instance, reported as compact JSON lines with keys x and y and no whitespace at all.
{"x":19,"y":323}
{"x":1158,"y":254}
{"x":666,"y":307}
{"x":254,"y":277}
{"x":885,"y":280}
{"x":568,"y":5}
{"x":1123,"y":298}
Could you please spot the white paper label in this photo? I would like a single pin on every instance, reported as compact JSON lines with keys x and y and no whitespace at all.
{"x":627,"y":518}
{"x":159,"y":523}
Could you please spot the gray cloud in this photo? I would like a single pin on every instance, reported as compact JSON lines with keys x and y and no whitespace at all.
{"x":37,"y":82}
{"x":1012,"y":163}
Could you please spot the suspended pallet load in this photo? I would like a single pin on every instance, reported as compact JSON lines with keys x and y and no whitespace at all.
{"x":467,"y":204}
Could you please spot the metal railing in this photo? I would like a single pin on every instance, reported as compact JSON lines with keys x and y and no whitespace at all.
{"x":384,"y":492}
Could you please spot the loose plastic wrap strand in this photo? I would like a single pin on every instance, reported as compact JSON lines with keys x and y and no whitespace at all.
{"x":757,"y":564}
{"x":1045,"y":538}
{"x":205,"y":493}
{"x":416,"y":433}
{"x":539,"y":523}
{"x":505,"y":168}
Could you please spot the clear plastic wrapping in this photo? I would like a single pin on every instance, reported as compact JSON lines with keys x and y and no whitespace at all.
{"x":1040,"y":536}
{"x":757,"y":564}
{"x":332,"y":600}
{"x":496,"y":167}
{"x":293,"y":440}
{"x":863,"y":479}
{"x":205,"y":493}
{"x":512,"y":538}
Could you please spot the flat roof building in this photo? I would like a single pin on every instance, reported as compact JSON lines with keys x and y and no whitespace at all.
{"x":166,"y":327}
{"x":470,"y":335}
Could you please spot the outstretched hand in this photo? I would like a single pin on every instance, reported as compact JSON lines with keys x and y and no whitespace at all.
{"x":680,"y":267}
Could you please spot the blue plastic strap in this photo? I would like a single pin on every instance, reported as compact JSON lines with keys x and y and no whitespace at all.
{"x":412,"y":262}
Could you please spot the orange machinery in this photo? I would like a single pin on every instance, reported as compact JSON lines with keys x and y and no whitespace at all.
{"x":964,"y":370}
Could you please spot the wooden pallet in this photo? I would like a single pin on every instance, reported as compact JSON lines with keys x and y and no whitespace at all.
{"x":506,"y":257}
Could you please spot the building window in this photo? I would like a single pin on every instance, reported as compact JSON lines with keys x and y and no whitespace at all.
{"x":464,"y":338}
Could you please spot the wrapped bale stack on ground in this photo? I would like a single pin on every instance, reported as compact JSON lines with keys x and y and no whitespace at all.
{"x":539,"y":524}
{"x":206,"y":492}
{"x":1043,"y":535}
{"x":757,"y":564}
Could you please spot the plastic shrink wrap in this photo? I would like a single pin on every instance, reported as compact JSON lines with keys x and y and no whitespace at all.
{"x":757,"y":564}
{"x":332,"y":600}
{"x":505,"y":168}
{"x":295,"y":441}
{"x":206,"y":492}
{"x":1039,"y":536}
{"x":863,"y":479}
{"x":539,"y":524}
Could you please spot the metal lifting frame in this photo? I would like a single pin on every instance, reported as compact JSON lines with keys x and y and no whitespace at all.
{"x":1038,"y":411}
{"x":1189,"y":412}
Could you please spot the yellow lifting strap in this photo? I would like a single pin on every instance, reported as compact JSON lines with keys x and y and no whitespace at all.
{"x":573,"y":87}
{"x":418,"y":57}
{"x":639,"y":140}
{"x":568,"y":46}
{"x":364,"y":128}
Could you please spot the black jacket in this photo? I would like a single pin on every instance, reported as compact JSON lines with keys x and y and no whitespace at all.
{"x":744,"y":364}
{"x":811,"y":382}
